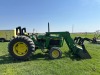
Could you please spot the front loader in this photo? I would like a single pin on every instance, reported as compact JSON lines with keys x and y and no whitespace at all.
{"x":22,"y":46}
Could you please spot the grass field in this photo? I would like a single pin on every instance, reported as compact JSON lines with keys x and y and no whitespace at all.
{"x":39,"y":64}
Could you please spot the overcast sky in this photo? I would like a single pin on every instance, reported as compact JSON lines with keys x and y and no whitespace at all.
{"x":82,"y":15}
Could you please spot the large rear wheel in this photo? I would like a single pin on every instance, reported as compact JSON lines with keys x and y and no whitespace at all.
{"x":21,"y":47}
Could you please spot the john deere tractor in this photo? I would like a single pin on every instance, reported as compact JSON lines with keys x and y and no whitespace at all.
{"x":22,"y":46}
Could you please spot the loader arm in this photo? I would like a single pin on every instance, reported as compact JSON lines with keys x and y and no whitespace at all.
{"x":80,"y":51}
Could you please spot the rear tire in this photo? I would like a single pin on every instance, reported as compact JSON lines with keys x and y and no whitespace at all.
{"x":55,"y":53}
{"x":21,"y":47}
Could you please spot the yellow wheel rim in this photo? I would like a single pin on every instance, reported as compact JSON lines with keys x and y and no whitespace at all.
{"x":55,"y":54}
{"x":20,"y":49}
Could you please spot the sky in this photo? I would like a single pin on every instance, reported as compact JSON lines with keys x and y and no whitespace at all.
{"x":63,"y":15}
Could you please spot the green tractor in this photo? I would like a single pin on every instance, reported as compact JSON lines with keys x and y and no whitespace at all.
{"x":22,"y":46}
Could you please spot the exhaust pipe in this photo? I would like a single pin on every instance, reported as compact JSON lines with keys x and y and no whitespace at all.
{"x":48,"y":27}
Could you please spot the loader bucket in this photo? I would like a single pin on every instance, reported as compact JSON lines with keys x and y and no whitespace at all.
{"x":83,"y":53}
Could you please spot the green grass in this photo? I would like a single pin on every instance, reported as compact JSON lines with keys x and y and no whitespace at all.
{"x":39,"y":64}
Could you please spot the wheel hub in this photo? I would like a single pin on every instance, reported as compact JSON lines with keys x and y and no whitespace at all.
{"x":55,"y":54}
{"x":20,"y":48}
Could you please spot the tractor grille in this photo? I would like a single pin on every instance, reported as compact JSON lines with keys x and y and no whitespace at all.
{"x":54,"y":42}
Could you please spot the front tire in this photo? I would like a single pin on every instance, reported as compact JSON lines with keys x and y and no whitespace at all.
{"x":55,"y":53}
{"x":21,"y":47}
